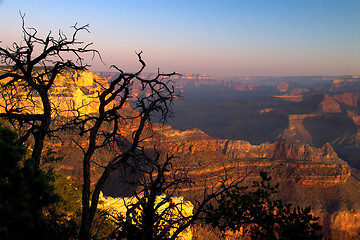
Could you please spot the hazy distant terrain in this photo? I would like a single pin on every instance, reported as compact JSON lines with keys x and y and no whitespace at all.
{"x":261,"y":110}
{"x":312,"y":109}
{"x":244,"y":109}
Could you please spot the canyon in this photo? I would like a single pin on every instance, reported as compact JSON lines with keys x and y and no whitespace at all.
{"x":303,"y":131}
{"x":304,"y":134}
{"x":308,"y":176}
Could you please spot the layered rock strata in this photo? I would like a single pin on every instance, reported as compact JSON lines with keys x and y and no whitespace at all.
{"x":73,"y":93}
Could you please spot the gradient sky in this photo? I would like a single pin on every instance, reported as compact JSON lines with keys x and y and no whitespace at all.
{"x":221,"y":38}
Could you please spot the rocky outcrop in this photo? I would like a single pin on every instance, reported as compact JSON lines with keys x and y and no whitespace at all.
{"x":245,"y":87}
{"x":73,"y":92}
{"x":279,"y":150}
{"x":296,"y":131}
{"x":330,"y":105}
{"x":350,"y":99}
{"x":188,"y":142}
{"x":345,"y":224}
{"x":284,"y":87}
{"x":312,"y":166}
{"x":345,"y":83}
{"x":340,"y":225}
{"x":333,"y":104}
{"x":77,"y":90}
{"x":294,"y":95}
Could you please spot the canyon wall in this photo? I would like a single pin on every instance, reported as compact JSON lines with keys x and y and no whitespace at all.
{"x":310,"y":165}
{"x":73,"y":93}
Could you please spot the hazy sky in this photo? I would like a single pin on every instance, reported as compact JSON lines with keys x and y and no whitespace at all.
{"x":221,"y":38}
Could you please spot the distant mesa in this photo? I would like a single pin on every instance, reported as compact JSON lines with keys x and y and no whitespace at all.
{"x":345,"y":83}
{"x":266,"y":110}
{"x":330,"y":105}
{"x":245,"y":87}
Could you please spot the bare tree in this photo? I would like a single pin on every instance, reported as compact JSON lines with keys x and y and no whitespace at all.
{"x":156,"y":210}
{"x":103,"y":128}
{"x":30,"y":72}
{"x":161,"y":213}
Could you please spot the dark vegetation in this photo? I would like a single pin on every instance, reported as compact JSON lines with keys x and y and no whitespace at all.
{"x":255,"y":212}
{"x":29,"y":195}
{"x":24,"y":191}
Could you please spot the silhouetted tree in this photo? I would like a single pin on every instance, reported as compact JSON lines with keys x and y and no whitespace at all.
{"x":156,"y":210}
{"x":257,"y":214}
{"x":26,"y":83}
{"x":31,"y":70}
{"x":103,"y":129}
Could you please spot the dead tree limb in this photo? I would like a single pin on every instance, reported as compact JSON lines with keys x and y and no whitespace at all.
{"x":30,"y":72}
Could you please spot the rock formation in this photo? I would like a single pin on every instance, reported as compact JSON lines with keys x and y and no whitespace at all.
{"x":74,"y":92}
{"x":330,"y":105}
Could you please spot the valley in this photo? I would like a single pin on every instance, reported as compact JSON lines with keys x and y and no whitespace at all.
{"x":304,"y":131}
{"x":304,"y":134}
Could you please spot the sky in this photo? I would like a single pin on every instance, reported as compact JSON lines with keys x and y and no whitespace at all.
{"x":221,"y":38}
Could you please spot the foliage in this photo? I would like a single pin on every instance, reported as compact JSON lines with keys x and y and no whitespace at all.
{"x":24,"y":190}
{"x":65,"y":214}
{"x":50,"y":156}
{"x":258,"y":215}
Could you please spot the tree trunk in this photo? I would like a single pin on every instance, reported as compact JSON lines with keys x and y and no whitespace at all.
{"x":85,"y":219}
{"x":44,"y":127}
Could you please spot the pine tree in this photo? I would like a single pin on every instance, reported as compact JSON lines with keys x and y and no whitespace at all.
{"x":24,"y":190}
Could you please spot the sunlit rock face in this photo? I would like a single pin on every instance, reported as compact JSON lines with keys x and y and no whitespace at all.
{"x":347,"y":224}
{"x":78,"y":90}
{"x":350,"y":99}
{"x":73,"y":93}
{"x":329,"y":105}
{"x":289,"y":162}
{"x":340,"y":102}
{"x":345,"y":83}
